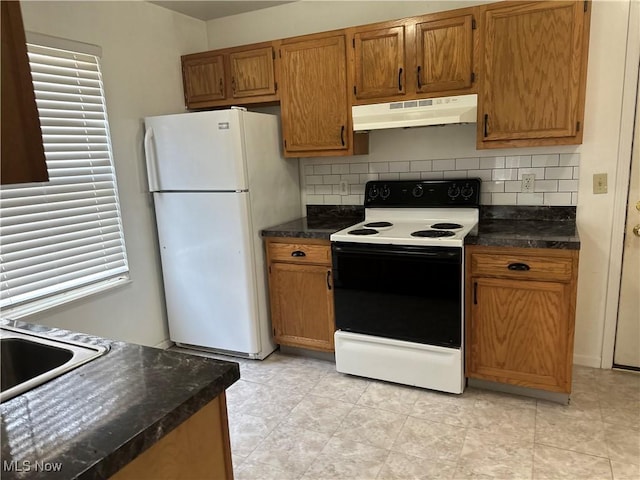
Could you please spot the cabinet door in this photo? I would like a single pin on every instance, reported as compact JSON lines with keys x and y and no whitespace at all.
{"x":533,"y":58}
{"x":444,"y":54}
{"x":379,"y":63}
{"x":252,"y":73}
{"x":314,"y":104}
{"x":520,"y":333}
{"x":302,"y":305}
{"x":203,"y":77}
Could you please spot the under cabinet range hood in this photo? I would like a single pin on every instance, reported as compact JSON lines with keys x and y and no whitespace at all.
{"x":416,"y":113}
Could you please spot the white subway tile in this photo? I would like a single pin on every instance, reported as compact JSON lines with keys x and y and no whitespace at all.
{"x":340,"y":168}
{"x":308,"y":169}
{"x":545,"y":160}
{"x":538,"y":172}
{"x":454,"y":174}
{"x":467,"y":163}
{"x":410,"y":176}
{"x":569,"y":159}
{"x":557,"y":199}
{"x":332,"y":199}
{"x":504,"y":198}
{"x":551,"y":173}
{"x":310,"y":189}
{"x":492,"y":162}
{"x":442,"y":165}
{"x":356,"y":189}
{"x":335,"y":189}
{"x":576,"y":173}
{"x":431,"y":175}
{"x":315,"y":199}
{"x":366,"y":177}
{"x":359,"y":168}
{"x":483,"y":175}
{"x":530,"y":198}
{"x":485,"y":198}
{"x":518,"y":161}
{"x":505,"y":174}
{"x":351,"y":200}
{"x":574,"y":198}
{"x":351,"y":178}
{"x":389,"y":176}
{"x":497,"y":186}
{"x":399,"y":167}
{"x":513,"y":186}
{"x":379,"y":167}
{"x":322,"y":169}
{"x":545,"y":185}
{"x":567,"y":185}
{"x":331,"y":179}
{"x":313,"y":180}
{"x":421,"y":166}
{"x":324,"y":190}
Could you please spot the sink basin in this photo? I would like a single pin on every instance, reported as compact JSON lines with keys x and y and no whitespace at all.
{"x":28,"y":359}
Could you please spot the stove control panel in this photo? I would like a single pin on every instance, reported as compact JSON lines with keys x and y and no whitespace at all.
{"x":463,"y":192}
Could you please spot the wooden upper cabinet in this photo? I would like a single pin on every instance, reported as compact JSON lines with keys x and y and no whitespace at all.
{"x":379,"y":62}
{"x":314,"y":104}
{"x":535,"y":57}
{"x":22,"y":157}
{"x":444,"y":54}
{"x":252,"y":73}
{"x":203,"y":75}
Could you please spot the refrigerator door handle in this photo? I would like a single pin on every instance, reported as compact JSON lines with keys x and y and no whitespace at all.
{"x":152,"y":174}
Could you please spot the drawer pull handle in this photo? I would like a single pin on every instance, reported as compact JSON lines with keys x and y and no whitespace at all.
{"x":298,"y":253}
{"x":519,"y":267}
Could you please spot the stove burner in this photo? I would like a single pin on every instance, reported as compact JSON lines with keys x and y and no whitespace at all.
{"x":378,"y":224}
{"x":446,"y":226}
{"x":432,"y":233}
{"x":363,"y":231}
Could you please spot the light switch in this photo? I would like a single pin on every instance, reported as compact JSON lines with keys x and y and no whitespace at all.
{"x":599,"y":183}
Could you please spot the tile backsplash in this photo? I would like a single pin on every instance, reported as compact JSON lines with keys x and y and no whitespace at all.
{"x":556,"y":177}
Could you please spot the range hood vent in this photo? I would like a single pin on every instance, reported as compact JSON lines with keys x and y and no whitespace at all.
{"x":416,"y":113}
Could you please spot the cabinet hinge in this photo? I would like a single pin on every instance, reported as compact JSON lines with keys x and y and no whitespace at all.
{"x":473,"y":24}
{"x":285,"y":143}
{"x":577,"y":126}
{"x":473,"y":77}
{"x":275,"y":86}
{"x":353,"y":42}
{"x":269,"y":269}
{"x":280,"y":53}
{"x":273,"y":54}
{"x":274,"y":332}
{"x":585,"y":5}
{"x":475,"y":293}
{"x":354,"y":89}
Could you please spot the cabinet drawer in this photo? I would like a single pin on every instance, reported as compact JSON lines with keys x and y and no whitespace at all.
{"x":521,"y":266}
{"x":299,"y":253}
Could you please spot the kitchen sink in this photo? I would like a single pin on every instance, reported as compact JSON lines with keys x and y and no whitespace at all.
{"x":30,"y":359}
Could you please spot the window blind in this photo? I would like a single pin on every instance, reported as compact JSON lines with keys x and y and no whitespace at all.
{"x":63,"y":234}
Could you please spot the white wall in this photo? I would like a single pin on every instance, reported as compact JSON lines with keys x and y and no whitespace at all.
{"x":141,"y":47}
{"x":598,"y":153}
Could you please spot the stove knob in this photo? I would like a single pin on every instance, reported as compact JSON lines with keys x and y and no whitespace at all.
{"x":453,"y":191}
{"x":373,"y":192}
{"x":385,"y":192}
{"x":418,"y":191}
{"x":467,"y":191}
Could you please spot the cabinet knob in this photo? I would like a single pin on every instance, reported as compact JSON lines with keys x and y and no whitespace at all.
{"x":298,"y":253}
{"x":636,"y":230}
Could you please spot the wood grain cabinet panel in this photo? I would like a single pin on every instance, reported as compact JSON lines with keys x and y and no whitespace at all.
{"x":252,"y":73}
{"x":444,"y":54}
{"x":301,"y":293}
{"x":203,"y":76}
{"x":535,"y":57}
{"x":379,"y":62}
{"x":520,"y":322}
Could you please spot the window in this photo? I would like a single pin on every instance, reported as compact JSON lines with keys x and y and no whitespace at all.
{"x":63,"y":239}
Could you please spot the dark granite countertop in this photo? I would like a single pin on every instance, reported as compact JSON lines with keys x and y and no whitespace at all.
{"x":97,"y":418}
{"x":504,"y":226}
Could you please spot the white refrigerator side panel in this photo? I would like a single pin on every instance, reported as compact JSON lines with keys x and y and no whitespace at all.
{"x":195,"y":151}
{"x":208,"y":269}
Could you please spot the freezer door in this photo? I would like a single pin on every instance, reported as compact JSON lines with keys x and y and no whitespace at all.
{"x":208,"y":270}
{"x":195,"y":151}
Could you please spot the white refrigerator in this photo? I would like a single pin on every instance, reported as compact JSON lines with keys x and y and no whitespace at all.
{"x":217,"y":179}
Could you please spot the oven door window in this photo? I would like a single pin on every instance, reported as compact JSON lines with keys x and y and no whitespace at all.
{"x":400,"y":292}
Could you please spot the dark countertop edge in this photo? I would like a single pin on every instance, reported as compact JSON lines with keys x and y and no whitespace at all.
{"x":552,"y":243}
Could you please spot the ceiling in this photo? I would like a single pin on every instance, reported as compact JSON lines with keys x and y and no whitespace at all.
{"x":206,"y":10}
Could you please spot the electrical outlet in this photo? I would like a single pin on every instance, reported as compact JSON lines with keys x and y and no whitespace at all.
{"x":599,"y":183}
{"x":344,"y":187}
{"x":528,"y":182}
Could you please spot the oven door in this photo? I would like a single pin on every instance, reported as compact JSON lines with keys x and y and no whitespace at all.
{"x":403,"y":292}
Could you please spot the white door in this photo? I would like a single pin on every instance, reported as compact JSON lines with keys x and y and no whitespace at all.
{"x":627,"y":347}
{"x":208,"y":269}
{"x":195,"y":151}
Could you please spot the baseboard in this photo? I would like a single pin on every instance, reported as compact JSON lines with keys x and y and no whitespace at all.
{"x":164,"y":344}
{"x":587,"y":361}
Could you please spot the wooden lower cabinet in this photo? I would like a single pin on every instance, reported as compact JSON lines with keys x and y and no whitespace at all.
{"x":520,"y":316}
{"x":301,"y":293}
{"x":198,"y":448}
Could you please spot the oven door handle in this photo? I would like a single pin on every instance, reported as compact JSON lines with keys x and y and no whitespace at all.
{"x":436,"y":252}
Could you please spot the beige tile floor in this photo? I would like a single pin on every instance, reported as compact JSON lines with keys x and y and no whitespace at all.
{"x":294,"y":417}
